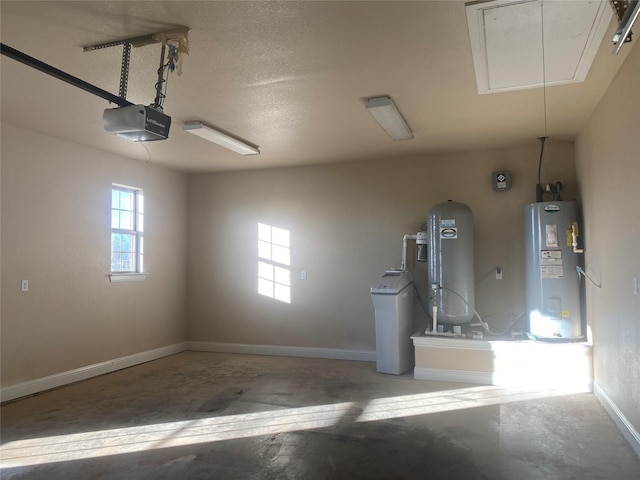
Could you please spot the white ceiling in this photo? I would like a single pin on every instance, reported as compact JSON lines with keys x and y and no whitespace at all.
{"x":290,"y":77}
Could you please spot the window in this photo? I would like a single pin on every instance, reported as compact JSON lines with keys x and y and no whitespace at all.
{"x":127,"y":247}
{"x":274,"y":276}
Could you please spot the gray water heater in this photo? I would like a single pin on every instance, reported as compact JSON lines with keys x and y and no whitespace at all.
{"x":450,"y":265}
{"x":553,"y":289}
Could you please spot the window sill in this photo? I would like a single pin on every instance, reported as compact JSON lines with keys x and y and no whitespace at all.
{"x":127,"y":277}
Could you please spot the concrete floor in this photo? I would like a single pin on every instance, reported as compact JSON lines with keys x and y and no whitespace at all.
{"x":222,"y":416}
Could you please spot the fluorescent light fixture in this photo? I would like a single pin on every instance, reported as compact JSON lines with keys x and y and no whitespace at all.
{"x":389,"y":118}
{"x":200,"y":129}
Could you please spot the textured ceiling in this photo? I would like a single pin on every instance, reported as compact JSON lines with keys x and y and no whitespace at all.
{"x":290,"y":77}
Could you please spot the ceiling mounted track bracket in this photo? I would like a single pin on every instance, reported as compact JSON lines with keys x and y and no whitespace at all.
{"x":142,"y":40}
{"x":137,"y":41}
{"x":177,"y":42}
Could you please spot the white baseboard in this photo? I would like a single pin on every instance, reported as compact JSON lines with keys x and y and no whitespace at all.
{"x":624,"y":425}
{"x":455,"y":376}
{"x":38,"y":385}
{"x":284,"y":351}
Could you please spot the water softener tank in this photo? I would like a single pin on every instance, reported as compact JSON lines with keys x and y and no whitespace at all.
{"x":553,"y":290}
{"x":450,"y":267}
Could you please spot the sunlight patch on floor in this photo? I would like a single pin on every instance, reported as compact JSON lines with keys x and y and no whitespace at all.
{"x":438,"y":402}
{"x":77,"y":446}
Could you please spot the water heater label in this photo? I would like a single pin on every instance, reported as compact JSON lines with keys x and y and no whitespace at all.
{"x":451,"y":222}
{"x":551,"y":264}
{"x":551,"y":272}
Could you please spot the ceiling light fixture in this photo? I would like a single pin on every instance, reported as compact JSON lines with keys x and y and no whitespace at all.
{"x":387,"y":115}
{"x":200,"y":129}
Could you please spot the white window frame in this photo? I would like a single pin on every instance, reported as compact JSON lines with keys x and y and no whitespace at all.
{"x":137,"y":232}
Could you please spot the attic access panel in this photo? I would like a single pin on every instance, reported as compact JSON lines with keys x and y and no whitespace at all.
{"x":508,"y":48}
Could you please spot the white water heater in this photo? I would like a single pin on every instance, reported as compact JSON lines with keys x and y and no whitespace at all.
{"x":553,"y":289}
{"x":450,"y":266}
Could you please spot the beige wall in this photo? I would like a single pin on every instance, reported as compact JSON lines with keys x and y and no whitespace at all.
{"x":56,"y":233}
{"x":608,"y":165}
{"x":346,"y":223}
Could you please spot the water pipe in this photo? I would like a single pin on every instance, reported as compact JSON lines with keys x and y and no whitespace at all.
{"x":574,"y":238}
{"x":407,"y":236}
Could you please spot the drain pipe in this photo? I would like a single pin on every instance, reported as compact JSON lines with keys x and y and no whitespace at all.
{"x":434,"y":326}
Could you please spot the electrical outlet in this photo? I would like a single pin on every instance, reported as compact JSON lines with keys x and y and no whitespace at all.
{"x":24,"y":285}
{"x":303,"y":275}
{"x":498,"y":273}
{"x":635,"y":285}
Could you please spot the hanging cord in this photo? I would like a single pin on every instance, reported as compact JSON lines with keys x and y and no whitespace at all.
{"x":420,"y":300}
{"x":542,"y":140}
{"x":539,"y":189}
{"x":465,"y":302}
{"x":544,"y":72}
{"x":147,"y":150}
{"x":484,"y":324}
{"x":580,"y":271}
{"x":163,"y":83}
{"x":166,"y":87}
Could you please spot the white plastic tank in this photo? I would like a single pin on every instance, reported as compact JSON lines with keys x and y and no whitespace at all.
{"x":393,"y":296}
{"x":451,"y":262}
{"x":553,"y":289}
